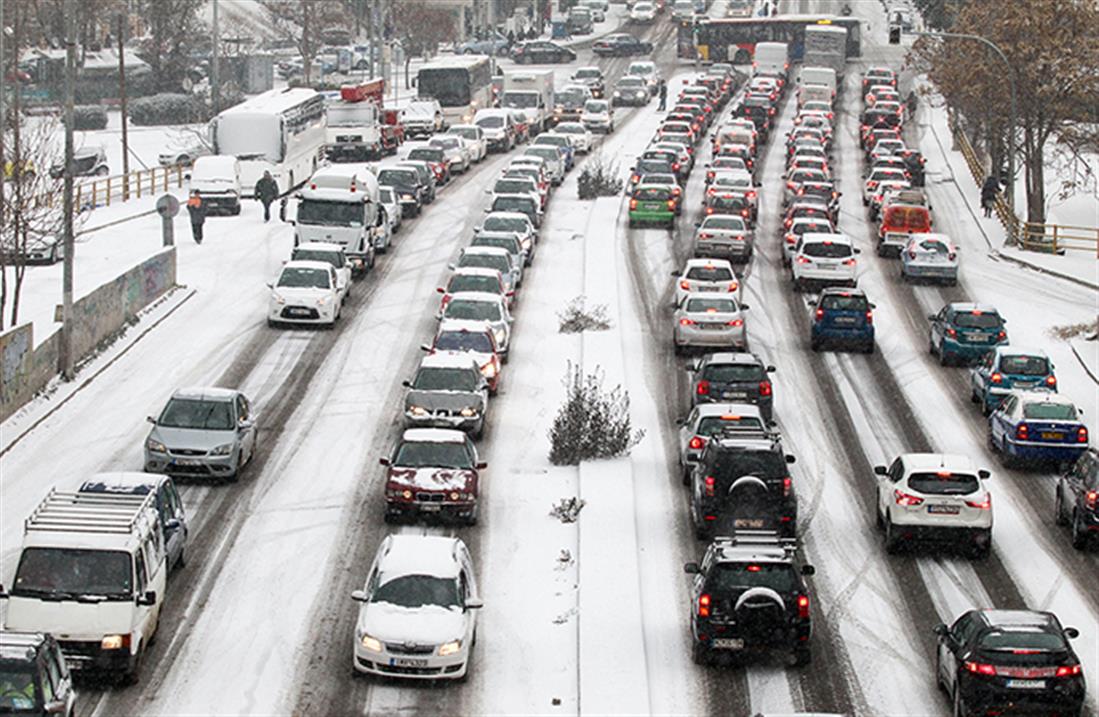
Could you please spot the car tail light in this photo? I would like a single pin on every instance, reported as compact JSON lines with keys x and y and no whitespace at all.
{"x":685,"y":285}
{"x":1001,"y":336}
{"x":703,"y":388}
{"x":791,"y":239}
{"x":1081,"y":435}
{"x":1022,"y":432}
{"x":804,"y":260}
{"x":677,"y":191}
{"x":996,"y":378}
{"x":1051,"y":380}
{"x":803,"y":607}
{"x":696,"y":442}
{"x":906,"y":499}
{"x":1067,"y":671}
{"x":820,"y":314}
{"x":708,"y":485}
{"x":686,"y":322}
{"x":709,"y":210}
{"x":764,"y":388}
{"x":787,"y":486}
{"x":849,"y":262}
{"x":732,"y":286}
{"x":751,"y":195}
{"x":704,"y":605}
{"x":671,"y":204}
{"x":1091,"y":498}
{"x":744,"y":213}
{"x":735,"y":322}
{"x":675,"y":166}
{"x":951,"y":333}
{"x":633,"y":204}
{"x":980,"y":668}
{"x":705,"y":236}
{"x":872,"y":184}
{"x":985,"y":504}
{"x":709,"y":176}
{"x":869,"y":317}
{"x":634,"y":178}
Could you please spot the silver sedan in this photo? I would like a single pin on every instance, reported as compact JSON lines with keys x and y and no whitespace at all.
{"x":709,"y":321}
{"x":724,"y":235}
{"x":207,"y":432}
{"x":930,"y":256}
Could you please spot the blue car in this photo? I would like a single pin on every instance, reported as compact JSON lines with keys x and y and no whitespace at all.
{"x":495,"y":44}
{"x":844,"y":317}
{"x":965,"y":332}
{"x":1006,"y":369}
{"x":1039,"y":427}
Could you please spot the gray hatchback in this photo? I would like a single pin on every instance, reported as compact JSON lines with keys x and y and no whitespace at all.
{"x":207,"y":432}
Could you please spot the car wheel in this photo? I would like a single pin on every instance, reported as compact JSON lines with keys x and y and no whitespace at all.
{"x":814,"y":344}
{"x":945,"y":359}
{"x":1006,"y":459}
{"x":132,"y":676}
{"x":685,"y":475}
{"x":960,"y":710}
{"x":1079,"y":534}
{"x":181,"y":561}
{"x":985,"y":410}
{"x":973,"y":397}
{"x":982,"y":545}
{"x":1059,"y":508}
{"x":802,"y":656}
{"x":869,"y":348}
{"x":700,"y":654}
{"x":892,"y":541}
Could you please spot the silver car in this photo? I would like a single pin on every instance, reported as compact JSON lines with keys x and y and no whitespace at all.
{"x":710,"y":321}
{"x":712,"y":419}
{"x":448,"y":391}
{"x":208,"y":432}
{"x":491,"y":257}
{"x":489,"y":308}
{"x":726,"y":236}
{"x":932,"y":257}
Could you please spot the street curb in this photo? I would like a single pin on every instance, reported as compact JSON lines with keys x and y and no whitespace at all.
{"x":1083,"y":363}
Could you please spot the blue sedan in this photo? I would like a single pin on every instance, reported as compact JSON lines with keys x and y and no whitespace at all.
{"x":1007,"y":368}
{"x":842,"y":316}
{"x":1037,"y":426}
{"x":963,"y":332}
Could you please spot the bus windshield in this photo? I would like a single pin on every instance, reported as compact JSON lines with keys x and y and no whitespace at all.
{"x":449,"y":85}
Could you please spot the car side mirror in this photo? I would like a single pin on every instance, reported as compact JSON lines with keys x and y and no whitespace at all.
{"x":691,"y":569}
{"x":757,"y":183}
{"x":857,"y":250}
{"x":383,"y":461}
{"x":3,"y":593}
{"x":811,"y":302}
{"x":770,"y":369}
{"x":932,"y":317}
{"x":790,"y":458}
{"x":440,"y":290}
{"x":1072,"y":633}
{"x":481,"y":466}
{"x":983,"y":474}
{"x":172,"y":524}
{"x":744,"y":307}
{"x":425,"y":347}
{"x":880,"y":470}
{"x":244,"y":424}
{"x":406,"y":383}
{"x":941,"y":630}
{"x":808,"y":570}
{"x":873,"y":306}
{"x":149,"y":598}
{"x":358,"y":595}
{"x":270,"y":285}
{"x":151,"y":419}
{"x":474,"y":604}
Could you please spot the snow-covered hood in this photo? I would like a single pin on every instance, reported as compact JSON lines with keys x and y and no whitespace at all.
{"x":430,"y":625}
{"x":444,"y":479}
{"x":195,"y":439}
{"x":301,"y":294}
{"x":446,"y":400}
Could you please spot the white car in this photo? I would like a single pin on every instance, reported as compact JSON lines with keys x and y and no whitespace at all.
{"x":709,"y":419}
{"x":870,"y":186}
{"x":885,"y":186}
{"x":598,"y":116}
{"x":724,"y":235}
{"x":937,"y":496}
{"x":887,"y":147}
{"x":732,"y":181}
{"x":418,"y":613}
{"x":492,"y":257}
{"x":305,"y":292}
{"x":552,"y":160}
{"x":798,"y":227}
{"x":643,"y":12}
{"x":490,"y":308}
{"x":514,"y":222}
{"x":930,"y":256}
{"x":824,"y":260}
{"x":646,"y":70}
{"x":474,"y":137}
{"x":387,"y":197}
{"x":329,"y":254}
{"x":516,"y":185}
{"x":578,"y":134}
{"x":708,"y":320}
{"x":705,"y":275}
{"x":458,"y":157}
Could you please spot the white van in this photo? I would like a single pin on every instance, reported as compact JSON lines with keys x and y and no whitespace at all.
{"x":771,"y":58}
{"x":340,"y":205}
{"x":216,"y":178}
{"x":813,"y":93}
{"x":92,"y":572}
{"x":819,"y":76}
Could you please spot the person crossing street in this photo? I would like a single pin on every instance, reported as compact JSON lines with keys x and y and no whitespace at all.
{"x":267,"y":191}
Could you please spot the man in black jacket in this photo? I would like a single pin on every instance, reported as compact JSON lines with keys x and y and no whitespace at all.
{"x":267,"y":191}
{"x":198,"y":215}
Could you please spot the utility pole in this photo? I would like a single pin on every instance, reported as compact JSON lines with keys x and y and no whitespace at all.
{"x":68,"y":360}
{"x":371,"y":29}
{"x":123,"y":20}
{"x":215,"y":84}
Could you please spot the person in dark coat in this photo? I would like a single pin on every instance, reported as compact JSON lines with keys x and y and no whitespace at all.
{"x":989,"y":190}
{"x":267,"y":191}
{"x":511,"y":38}
{"x":198,"y":215}
{"x":663,"y":93}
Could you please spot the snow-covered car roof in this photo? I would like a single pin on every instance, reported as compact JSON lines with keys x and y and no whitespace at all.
{"x":707,"y":263}
{"x":712,"y":296}
{"x":126,"y":480}
{"x":306,"y":264}
{"x":209,"y":393}
{"x":706,"y":410}
{"x":433,"y":435}
{"x":834,"y":238}
{"x":974,"y":307}
{"x":509,"y":215}
{"x":447,"y":359}
{"x":420,"y":554}
{"x":939,"y":461}
{"x":1044,"y":397}
{"x":477,"y":296}
{"x":1019,"y":351}
{"x":733,"y":357}
{"x":487,"y":250}
{"x":476,"y":271}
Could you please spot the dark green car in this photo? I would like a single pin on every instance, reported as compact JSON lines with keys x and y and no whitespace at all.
{"x":651,"y":204}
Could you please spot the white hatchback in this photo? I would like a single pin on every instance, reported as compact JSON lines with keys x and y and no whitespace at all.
{"x":305,"y":292}
{"x":418,"y":613}
{"x":711,"y":321}
{"x":704,"y":276}
{"x":825,"y":260}
{"x":934,"y":496}
{"x":579,"y":135}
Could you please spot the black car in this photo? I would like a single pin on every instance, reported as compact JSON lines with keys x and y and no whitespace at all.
{"x":760,"y":111}
{"x":742,"y":482}
{"x":405,"y":182}
{"x":1077,"y":503}
{"x":631,"y":91}
{"x":733,"y":377}
{"x":35,"y":679}
{"x":541,"y":52}
{"x":991,"y":661}
{"x":748,"y":596}
{"x":621,"y":45}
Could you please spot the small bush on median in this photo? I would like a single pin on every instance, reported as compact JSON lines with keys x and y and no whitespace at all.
{"x":598,"y":179}
{"x":593,"y":422}
{"x":577,"y":317}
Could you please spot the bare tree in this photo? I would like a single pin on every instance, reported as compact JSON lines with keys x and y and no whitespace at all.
{"x":422,"y":26}
{"x":304,"y":22}
{"x":174,"y":29}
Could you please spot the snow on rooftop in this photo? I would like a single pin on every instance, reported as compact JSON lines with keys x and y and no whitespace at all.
{"x":205,"y":393}
{"x":433,"y":435}
{"x":273,"y":101}
{"x":420,"y":555}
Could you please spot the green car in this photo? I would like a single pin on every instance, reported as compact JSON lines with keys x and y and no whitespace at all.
{"x":653,"y":204}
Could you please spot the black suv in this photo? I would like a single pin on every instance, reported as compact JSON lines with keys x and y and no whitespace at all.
{"x":748,"y":596}
{"x":733,"y":377}
{"x":742,"y":482}
{"x":33,"y":677}
{"x":1077,"y":503}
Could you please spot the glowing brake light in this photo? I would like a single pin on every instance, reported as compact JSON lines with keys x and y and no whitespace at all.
{"x":1081,"y":435}
{"x":820,"y":314}
{"x":685,"y":285}
{"x":735,"y":322}
{"x":1067,"y":671}
{"x":633,"y":204}
{"x":1022,"y":432}
{"x":703,"y":388}
{"x":696,"y":443}
{"x":803,"y":606}
{"x":906,"y":499}
{"x":686,"y":322}
{"x":996,"y":378}
{"x":671,"y":204}
{"x":985,"y":504}
{"x":704,"y":605}
{"x":787,"y":486}
{"x":869,"y":317}
{"x":1051,"y":380}
{"x":1091,"y":498}
{"x":764,"y":388}
{"x":980,"y":668}
{"x":708,"y":485}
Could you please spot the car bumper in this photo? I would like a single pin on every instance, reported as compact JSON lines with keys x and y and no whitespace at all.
{"x":931,"y":271}
{"x":212,"y":466}
{"x":925,"y":526}
{"x":1046,"y":452}
{"x":688,"y":336}
{"x":436,"y":420}
{"x":89,"y":656}
{"x":968,"y":352}
{"x":419,"y":130}
{"x":443,"y":510}
{"x":858,"y":335}
{"x":220,"y":204}
{"x":351,"y":151}
{"x":1061,"y":695}
{"x":412,"y":667}
{"x":729,"y":638}
{"x":733,"y":250}
{"x":826,"y":278}
{"x":652,"y":217}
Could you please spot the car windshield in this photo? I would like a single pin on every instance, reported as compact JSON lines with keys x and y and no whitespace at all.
{"x":74,"y":572}
{"x":387,"y":195}
{"x":943,"y":483}
{"x":729,"y":163}
{"x":397,"y":178}
{"x":472,"y":310}
{"x":18,"y":692}
{"x":712,"y":425}
{"x":428,"y":154}
{"x":549,"y":139}
{"x":546,"y":153}
{"x":737,"y":182}
{"x":653,"y":166}
{"x":826,"y":250}
{"x":710,"y":273}
{"x":331,"y":257}
{"x":464,"y":341}
{"x":1024,"y":365}
{"x":446,"y":143}
{"x":505,"y":224}
{"x":296,"y":277}
{"x":570,"y":128}
{"x":732,"y":373}
{"x":573,"y":96}
{"x":631,"y":83}
{"x":725,"y":578}
{"x":976,"y":320}
{"x":513,"y":204}
{"x":596,"y":107}
{"x":709,"y":305}
{"x":330,"y":214}
{"x":473,"y":282}
{"x":588,"y":73}
{"x":466,"y":132}
{"x":446,"y":379}
{"x":762,"y":464}
{"x":197,"y":414}
{"x":799,"y":229}
{"x":491,"y":122}
{"x":418,"y":591}
{"x":839,"y":302}
{"x":431,"y":454}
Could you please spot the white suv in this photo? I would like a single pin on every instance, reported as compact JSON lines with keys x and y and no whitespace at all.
{"x":936,"y":496}
{"x":419,"y":609}
{"x":825,"y":260}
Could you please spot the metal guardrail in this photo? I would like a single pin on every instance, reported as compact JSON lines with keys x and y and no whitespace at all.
{"x":101,"y":191}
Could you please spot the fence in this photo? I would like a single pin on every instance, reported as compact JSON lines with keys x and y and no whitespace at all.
{"x":101,"y":191}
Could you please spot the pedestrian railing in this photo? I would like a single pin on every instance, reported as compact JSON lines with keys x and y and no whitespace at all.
{"x":101,"y":191}
{"x":1058,"y":238}
{"x":977,"y":170}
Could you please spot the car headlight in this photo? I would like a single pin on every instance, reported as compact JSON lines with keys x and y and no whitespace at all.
{"x":155,"y":446}
{"x":468,"y":412}
{"x":417,"y":410}
{"x":499,"y":335}
{"x":617,"y":93}
{"x":321,"y":300}
{"x":114,"y":642}
{"x":408,"y":197}
{"x":222,"y":450}
{"x":370,"y":643}
{"x":450,"y":648}
{"x":640,"y":95}
{"x":488,"y":370}
{"x":278,"y":298}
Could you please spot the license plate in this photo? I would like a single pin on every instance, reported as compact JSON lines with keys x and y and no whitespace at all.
{"x":737,"y":395}
{"x":429,"y":508}
{"x":1024,"y":384}
{"x":707,"y":288}
{"x":826,"y":267}
{"x":298,"y":312}
{"x":1026,"y":684}
{"x":750,"y":523}
{"x":1052,"y":436}
{"x":406,"y":662}
{"x":187,"y":462}
{"x":653,"y":207}
{"x":712,"y":327}
{"x":728,"y":643}
{"x":943,"y":509}
{"x":845,"y":320}
{"x":976,"y":337}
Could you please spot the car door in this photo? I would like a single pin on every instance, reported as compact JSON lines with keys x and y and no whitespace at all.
{"x":1002,"y":419}
{"x":885,"y":485}
{"x":62,"y":679}
{"x":980,"y":373}
{"x":246,"y":426}
{"x":173,"y":533}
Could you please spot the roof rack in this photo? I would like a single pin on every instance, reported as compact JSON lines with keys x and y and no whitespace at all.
{"x":760,"y":538}
{"x":65,"y":512}
{"x":765,"y":433}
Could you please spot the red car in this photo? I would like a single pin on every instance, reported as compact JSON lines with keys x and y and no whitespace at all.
{"x":432,"y":472}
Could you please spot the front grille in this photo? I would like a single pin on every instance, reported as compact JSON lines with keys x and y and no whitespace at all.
{"x":186,"y":452}
{"x":399,"y":648}
{"x":189,"y":470}
{"x":430,"y":497}
{"x":395,"y":670}
{"x":79,"y":651}
{"x":298,"y":312}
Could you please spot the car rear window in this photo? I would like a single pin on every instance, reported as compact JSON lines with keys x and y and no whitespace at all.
{"x":1044,"y":411}
{"x":1025,"y":639}
{"x":652,"y":193}
{"x":708,"y":305}
{"x":943,"y":483}
{"x":826,"y":250}
{"x":728,"y":223}
{"x":1024,"y":365}
{"x":729,"y":577}
{"x":838,"y":302}
{"x":709,"y":273}
{"x":712,"y":425}
{"x":733,"y":373}
{"x":485,"y":261}
{"x":976,"y":320}
{"x":767,"y":465}
{"x":473,"y":282}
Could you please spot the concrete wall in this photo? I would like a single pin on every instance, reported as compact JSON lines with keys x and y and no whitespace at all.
{"x":97,"y":318}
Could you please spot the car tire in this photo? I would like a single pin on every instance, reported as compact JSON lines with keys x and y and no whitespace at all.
{"x":814,"y":344}
{"x":1006,"y":459}
{"x":700,"y":654}
{"x":869,"y":348}
{"x":181,"y":561}
{"x":1079,"y":534}
{"x":802,"y":656}
{"x":960,"y":710}
{"x":973,"y":397}
{"x":685,"y":475}
{"x":1059,"y":516}
{"x":132,"y":676}
{"x":892,"y":542}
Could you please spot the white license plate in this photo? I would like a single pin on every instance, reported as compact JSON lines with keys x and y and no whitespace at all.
{"x":187,"y":462}
{"x":943,"y":509}
{"x":298,"y":312}
{"x":712,"y":327}
{"x":429,"y":507}
{"x":826,"y":267}
{"x":748,"y":523}
{"x":977,"y":337}
{"x":736,"y":395}
{"x":1026,"y":684}
{"x":845,"y":320}
{"x":728,"y":643}
{"x":707,"y":288}
{"x":406,"y":662}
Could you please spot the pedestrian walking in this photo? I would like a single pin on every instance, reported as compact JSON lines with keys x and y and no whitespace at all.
{"x":663,"y":93}
{"x":267,"y":191}
{"x":989,"y":190}
{"x":198,"y":215}
{"x":511,"y":38}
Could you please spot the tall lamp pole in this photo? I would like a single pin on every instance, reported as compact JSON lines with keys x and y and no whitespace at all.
{"x":68,"y":360}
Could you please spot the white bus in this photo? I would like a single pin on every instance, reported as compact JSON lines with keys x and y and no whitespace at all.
{"x":461,"y":84}
{"x":281,"y":131}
